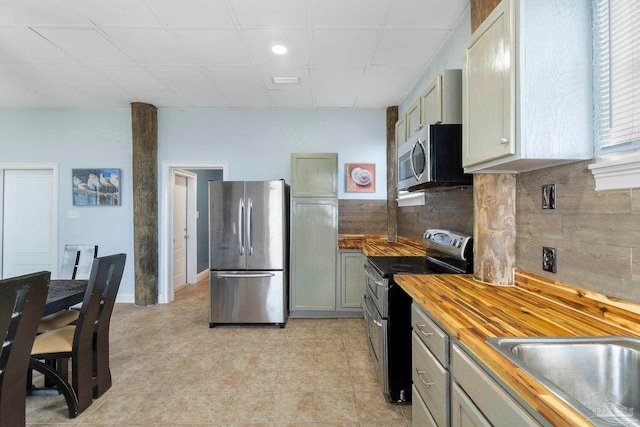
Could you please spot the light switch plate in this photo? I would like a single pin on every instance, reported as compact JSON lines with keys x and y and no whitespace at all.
{"x":72,"y":214}
{"x":549,"y":196}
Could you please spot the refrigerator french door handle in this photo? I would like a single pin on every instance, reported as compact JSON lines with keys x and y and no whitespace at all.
{"x":250,"y":226}
{"x":241,"y":225}
{"x":244,"y":275}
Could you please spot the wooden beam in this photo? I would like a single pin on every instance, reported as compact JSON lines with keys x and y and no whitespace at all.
{"x":392,"y":175}
{"x":480,"y":9}
{"x":144,"y":130}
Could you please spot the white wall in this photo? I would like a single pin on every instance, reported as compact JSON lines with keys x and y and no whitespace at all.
{"x":256,"y":143}
{"x":87,"y":138}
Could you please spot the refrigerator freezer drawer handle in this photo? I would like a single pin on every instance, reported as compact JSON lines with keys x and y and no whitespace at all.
{"x":245,"y":276}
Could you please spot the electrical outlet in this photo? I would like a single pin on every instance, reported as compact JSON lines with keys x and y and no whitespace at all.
{"x":549,"y":259}
{"x":549,"y":196}
{"x":72,"y":214}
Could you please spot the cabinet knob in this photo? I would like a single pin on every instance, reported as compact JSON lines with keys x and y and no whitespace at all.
{"x":504,"y":141}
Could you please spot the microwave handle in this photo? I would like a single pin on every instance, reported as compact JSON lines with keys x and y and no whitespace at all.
{"x":413,"y":169}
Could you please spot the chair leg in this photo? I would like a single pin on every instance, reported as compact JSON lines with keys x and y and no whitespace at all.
{"x":63,"y":386}
{"x":82,"y":379}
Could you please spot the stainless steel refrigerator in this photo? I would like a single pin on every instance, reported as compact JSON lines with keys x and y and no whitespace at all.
{"x":249,"y":252}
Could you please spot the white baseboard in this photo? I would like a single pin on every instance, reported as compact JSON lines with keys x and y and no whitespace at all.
{"x":202,"y":275}
{"x":126,"y":298}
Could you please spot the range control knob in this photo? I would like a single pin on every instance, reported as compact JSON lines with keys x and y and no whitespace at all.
{"x":427,"y":236}
{"x":454,"y":242}
{"x":459,"y":243}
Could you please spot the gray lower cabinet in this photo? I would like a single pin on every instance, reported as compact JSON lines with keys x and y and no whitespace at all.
{"x":451,"y":389}
{"x":480,"y":400}
{"x":351,"y":280}
{"x":314,"y":237}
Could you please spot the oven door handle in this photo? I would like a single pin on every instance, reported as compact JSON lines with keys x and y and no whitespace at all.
{"x":372,"y":276}
{"x":369,"y":313}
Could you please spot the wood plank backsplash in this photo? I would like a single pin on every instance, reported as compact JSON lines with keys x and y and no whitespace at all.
{"x":596,"y":234}
{"x":452,"y":209}
{"x":358,"y":216}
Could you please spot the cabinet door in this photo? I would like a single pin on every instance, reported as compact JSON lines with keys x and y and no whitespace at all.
{"x":314,"y":175}
{"x":431,"y":100}
{"x":401,"y":131}
{"x":463,"y":412}
{"x":351,"y":280}
{"x":314,"y":248}
{"x":414,"y":119}
{"x":487,"y":88}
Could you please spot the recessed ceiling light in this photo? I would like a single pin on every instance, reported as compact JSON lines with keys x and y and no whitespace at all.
{"x":278,"y":48}
{"x":286,"y":80}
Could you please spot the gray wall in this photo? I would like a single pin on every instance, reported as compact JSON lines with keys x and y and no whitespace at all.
{"x":203,"y":213}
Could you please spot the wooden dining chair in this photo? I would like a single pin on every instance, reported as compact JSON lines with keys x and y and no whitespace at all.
{"x":86,"y":343}
{"x":76,"y":265}
{"x":22,"y":301}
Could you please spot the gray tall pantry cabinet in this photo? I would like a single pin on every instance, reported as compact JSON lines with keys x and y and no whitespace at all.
{"x":314,"y":233}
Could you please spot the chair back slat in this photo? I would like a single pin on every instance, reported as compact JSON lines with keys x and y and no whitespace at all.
{"x":22,"y":301}
{"x":77,"y":261}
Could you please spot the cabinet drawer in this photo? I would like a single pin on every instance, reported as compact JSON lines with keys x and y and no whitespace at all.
{"x":420,"y":415}
{"x":431,"y":380}
{"x":496,"y":405}
{"x":430,"y":334}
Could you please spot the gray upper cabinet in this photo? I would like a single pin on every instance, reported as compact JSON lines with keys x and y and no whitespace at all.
{"x":441,"y":102}
{"x":314,"y":175}
{"x":526,"y":87}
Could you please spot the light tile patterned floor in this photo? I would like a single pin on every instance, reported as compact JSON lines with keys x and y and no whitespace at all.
{"x":170,"y":368}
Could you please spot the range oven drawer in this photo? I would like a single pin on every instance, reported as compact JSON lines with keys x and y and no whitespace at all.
{"x":377,"y":329}
{"x":430,"y":334}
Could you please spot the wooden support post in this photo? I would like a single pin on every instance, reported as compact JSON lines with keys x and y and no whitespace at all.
{"x":494,"y":228}
{"x":144,"y":129}
{"x":392,"y":175}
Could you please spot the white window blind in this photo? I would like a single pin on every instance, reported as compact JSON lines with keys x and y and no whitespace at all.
{"x":617,"y":75}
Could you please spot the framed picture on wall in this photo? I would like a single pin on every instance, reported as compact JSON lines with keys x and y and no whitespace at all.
{"x":96,"y":187}
{"x":361,"y":177}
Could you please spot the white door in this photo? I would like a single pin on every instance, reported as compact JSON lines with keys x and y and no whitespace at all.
{"x":28,"y":222}
{"x":179,"y":232}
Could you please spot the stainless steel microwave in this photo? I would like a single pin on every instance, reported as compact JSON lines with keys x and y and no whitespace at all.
{"x":432,"y":158}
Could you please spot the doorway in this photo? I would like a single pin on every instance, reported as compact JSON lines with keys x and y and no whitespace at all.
{"x":28,"y":218}
{"x":184,"y":189}
{"x":170,"y":171}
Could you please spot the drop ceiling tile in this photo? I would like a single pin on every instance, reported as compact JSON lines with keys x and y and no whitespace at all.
{"x":213,"y":46}
{"x":212,"y":13}
{"x":77,"y":76}
{"x":29,"y":77}
{"x":390,"y":79}
{"x":379,"y":99}
{"x":68,"y":98}
{"x":5,"y":58}
{"x":27,"y":46}
{"x":148,"y":46}
{"x":24,"y":98}
{"x":85,"y":44}
{"x":352,"y":13}
{"x":400,"y":46}
{"x":229,"y":79}
{"x":129,"y":77}
{"x":266,"y":74}
{"x":426,"y":13}
{"x":159,"y":98}
{"x":336,"y":78}
{"x":342,"y":47}
{"x":335,"y":98}
{"x":291,"y":99}
{"x":5,"y":21}
{"x":290,"y":13}
{"x":247,"y":99}
{"x":202,"y":98}
{"x":111,"y":98}
{"x":260,"y":40}
{"x":115,"y":12}
{"x":180,"y":77}
{"x":37,"y":12}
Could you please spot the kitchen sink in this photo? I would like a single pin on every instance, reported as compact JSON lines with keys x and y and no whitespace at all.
{"x":598,"y":376}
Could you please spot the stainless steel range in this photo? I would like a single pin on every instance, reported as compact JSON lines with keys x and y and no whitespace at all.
{"x":387,"y":307}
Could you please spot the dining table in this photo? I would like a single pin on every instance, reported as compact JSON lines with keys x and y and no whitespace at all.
{"x":64,"y":294}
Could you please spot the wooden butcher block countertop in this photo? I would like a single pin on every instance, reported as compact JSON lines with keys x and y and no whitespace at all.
{"x":378,"y":245}
{"x":472,"y":311}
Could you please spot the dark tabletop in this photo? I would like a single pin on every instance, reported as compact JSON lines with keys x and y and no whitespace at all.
{"x":63,"y":294}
